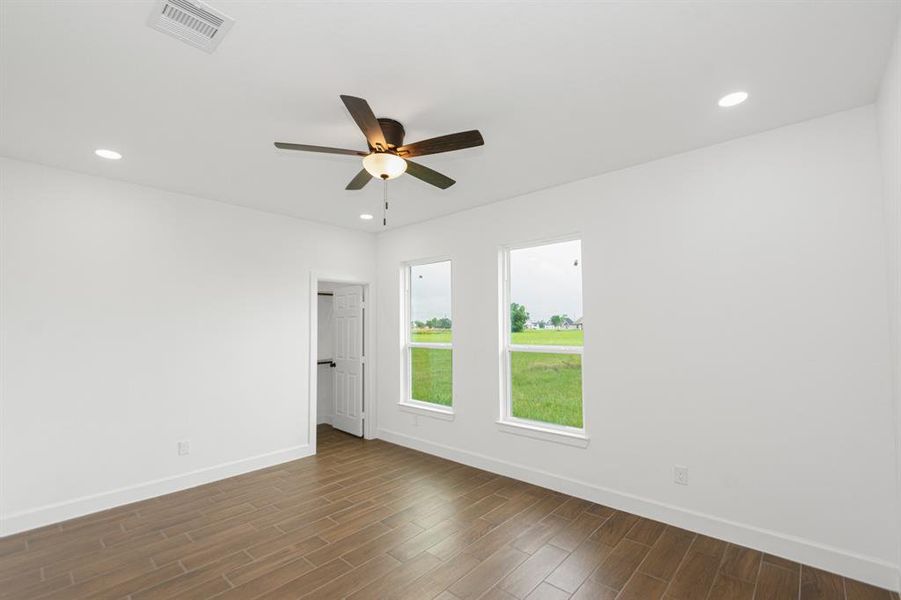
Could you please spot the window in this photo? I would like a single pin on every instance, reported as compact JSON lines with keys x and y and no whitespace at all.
{"x":543,"y":337}
{"x":428,"y":336}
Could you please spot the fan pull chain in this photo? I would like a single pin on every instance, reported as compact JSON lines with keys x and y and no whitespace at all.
{"x":385,"y":207}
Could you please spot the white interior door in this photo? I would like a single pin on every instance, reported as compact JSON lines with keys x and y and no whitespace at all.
{"x":349,"y":359}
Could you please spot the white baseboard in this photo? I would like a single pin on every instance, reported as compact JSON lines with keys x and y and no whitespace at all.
{"x":863,"y":568}
{"x":78,"y":507}
{"x":325,"y":420}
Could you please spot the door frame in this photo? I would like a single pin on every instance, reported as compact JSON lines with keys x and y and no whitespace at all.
{"x":369,"y":403}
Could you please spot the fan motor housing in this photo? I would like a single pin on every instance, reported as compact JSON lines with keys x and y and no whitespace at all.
{"x":393,"y":132}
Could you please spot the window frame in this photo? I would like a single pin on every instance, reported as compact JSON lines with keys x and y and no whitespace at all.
{"x":573,"y":436}
{"x":407,"y":402}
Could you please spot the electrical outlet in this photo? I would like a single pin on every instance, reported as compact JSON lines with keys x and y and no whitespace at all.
{"x":184,"y":448}
{"x":680,"y":475}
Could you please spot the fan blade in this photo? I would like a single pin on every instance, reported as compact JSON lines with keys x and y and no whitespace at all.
{"x":323,"y":149}
{"x":429,"y":176}
{"x":365,"y":119}
{"x":444,"y":143}
{"x":361,"y":179}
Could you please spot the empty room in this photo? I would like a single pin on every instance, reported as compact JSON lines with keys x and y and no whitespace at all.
{"x":451,"y":300}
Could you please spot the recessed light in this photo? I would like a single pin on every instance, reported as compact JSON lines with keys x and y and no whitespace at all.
{"x":733,"y":99}
{"x":108,"y":154}
{"x":366,"y":217}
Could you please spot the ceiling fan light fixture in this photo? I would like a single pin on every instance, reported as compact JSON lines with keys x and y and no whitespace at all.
{"x":383,"y":165}
{"x":386,"y":156}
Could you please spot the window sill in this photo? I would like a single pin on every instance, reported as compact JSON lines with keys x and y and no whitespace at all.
{"x":578,"y":440}
{"x":422,"y":408}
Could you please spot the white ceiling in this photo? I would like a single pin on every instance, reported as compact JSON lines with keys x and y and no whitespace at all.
{"x":560,"y":91}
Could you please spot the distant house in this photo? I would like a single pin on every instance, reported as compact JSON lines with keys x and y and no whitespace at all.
{"x":578,"y":323}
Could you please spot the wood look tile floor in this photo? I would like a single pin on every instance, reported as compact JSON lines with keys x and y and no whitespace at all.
{"x":370,"y":520}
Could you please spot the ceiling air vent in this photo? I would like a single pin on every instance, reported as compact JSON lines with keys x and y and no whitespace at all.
{"x":190,"y":21}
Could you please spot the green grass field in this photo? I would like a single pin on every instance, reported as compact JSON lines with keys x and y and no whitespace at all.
{"x":549,"y":337}
{"x":435,"y":336}
{"x":532,"y":337}
{"x":432,"y":375}
{"x":546,"y":387}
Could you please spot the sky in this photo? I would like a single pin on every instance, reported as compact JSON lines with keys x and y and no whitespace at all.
{"x":430,"y":291}
{"x":545,"y":279}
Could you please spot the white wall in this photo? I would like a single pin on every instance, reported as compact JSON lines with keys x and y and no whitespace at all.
{"x":735,"y":319}
{"x":889,"y":122}
{"x":133,"y":318}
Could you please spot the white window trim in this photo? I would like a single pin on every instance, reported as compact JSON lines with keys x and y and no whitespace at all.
{"x":507,"y":423}
{"x":542,"y":432}
{"x":427,"y":409}
{"x":407,"y":403}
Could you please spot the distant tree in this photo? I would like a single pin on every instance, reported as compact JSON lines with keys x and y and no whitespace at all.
{"x":542,"y":324}
{"x":418,"y":325}
{"x":518,"y":317}
{"x":560,"y":320}
{"x":438,"y":323}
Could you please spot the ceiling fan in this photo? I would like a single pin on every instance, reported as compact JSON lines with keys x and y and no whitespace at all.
{"x":387,"y":156}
